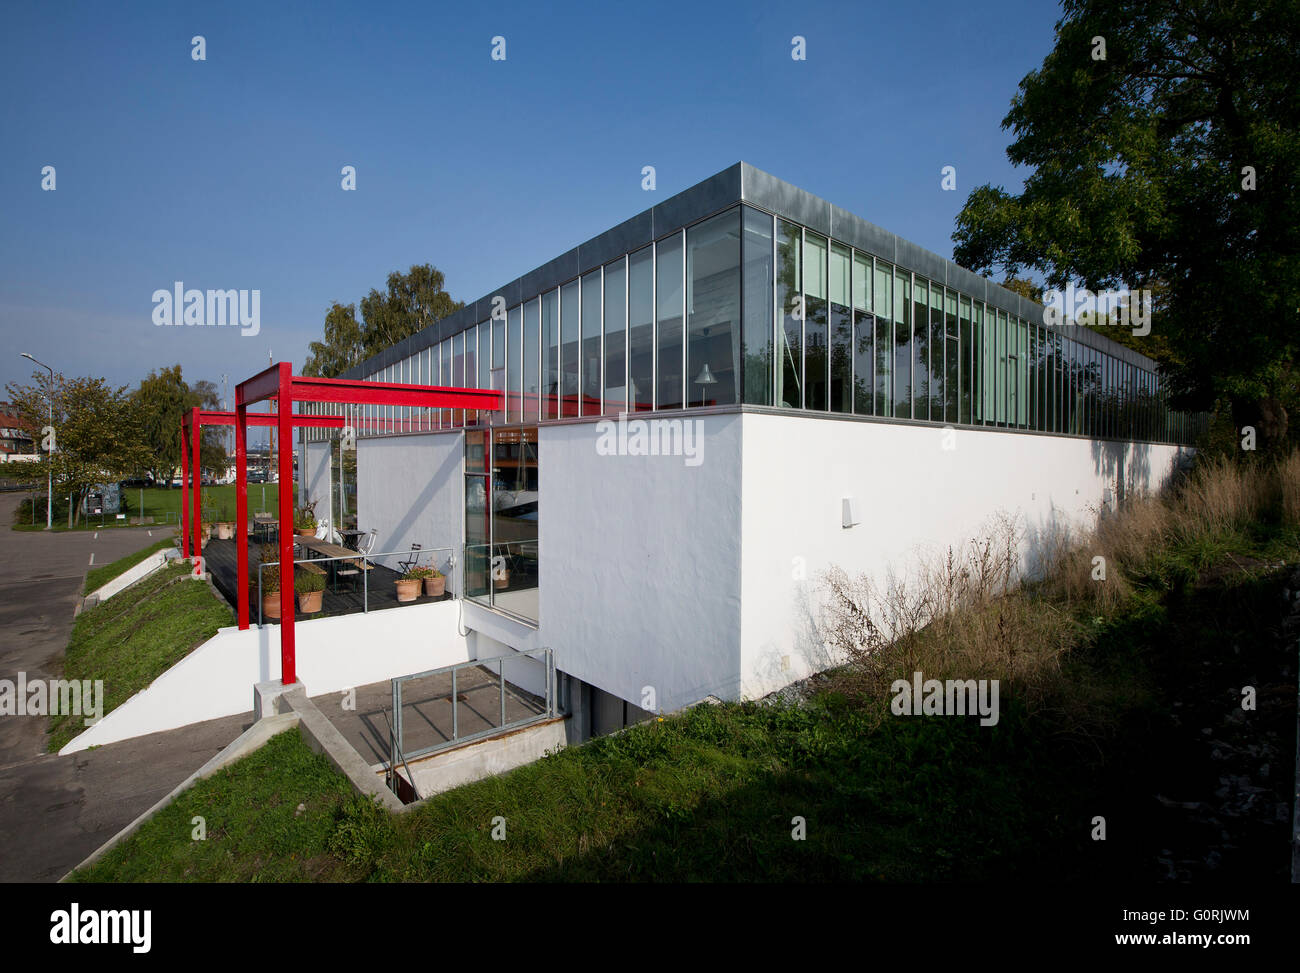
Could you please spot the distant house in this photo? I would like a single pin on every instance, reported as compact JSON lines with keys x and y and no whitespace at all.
{"x":14,"y":439}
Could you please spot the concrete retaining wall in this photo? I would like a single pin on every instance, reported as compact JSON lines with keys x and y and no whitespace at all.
{"x":443,"y":771}
{"x":333,"y":654}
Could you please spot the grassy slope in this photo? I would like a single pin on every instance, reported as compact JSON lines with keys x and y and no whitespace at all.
{"x":99,"y":576}
{"x":711,"y":794}
{"x":137,"y":635}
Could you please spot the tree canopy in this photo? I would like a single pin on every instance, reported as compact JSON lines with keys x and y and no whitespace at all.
{"x":96,"y":434}
{"x":160,"y":402}
{"x":411,"y":302}
{"x":1165,"y":153}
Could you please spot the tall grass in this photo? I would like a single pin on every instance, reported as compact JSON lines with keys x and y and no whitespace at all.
{"x":969,"y":614}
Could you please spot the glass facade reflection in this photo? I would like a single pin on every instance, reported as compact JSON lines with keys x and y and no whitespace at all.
{"x":746,"y":307}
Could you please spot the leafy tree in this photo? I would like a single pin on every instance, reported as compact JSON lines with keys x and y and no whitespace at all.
{"x":160,"y":402}
{"x":413,"y":301}
{"x":96,"y":433}
{"x":343,"y":346}
{"x":1168,"y":158}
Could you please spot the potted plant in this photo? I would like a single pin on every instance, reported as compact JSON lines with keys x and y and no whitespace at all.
{"x":304,"y":519}
{"x":270,"y":582}
{"x":408,"y":585}
{"x":225,"y":528}
{"x":435,"y":583}
{"x":311,"y":590}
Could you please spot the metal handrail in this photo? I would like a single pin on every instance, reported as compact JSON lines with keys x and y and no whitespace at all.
{"x":395,"y":754}
{"x":365,"y":575}
{"x":549,"y":710}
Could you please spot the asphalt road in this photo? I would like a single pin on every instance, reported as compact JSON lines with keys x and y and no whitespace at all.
{"x":54,"y":811}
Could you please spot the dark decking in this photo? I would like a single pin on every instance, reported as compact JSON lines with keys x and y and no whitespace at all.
{"x":219,"y":559}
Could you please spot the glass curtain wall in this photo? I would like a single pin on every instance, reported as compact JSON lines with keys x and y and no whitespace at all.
{"x":745,"y":307}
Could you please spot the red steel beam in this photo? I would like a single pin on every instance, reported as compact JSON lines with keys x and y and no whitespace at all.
{"x":288,"y":666}
{"x":185,"y":496}
{"x":196,"y":495}
{"x":241,"y":510}
{"x":278,"y":382}
{"x":310,"y":389}
{"x":264,"y":385}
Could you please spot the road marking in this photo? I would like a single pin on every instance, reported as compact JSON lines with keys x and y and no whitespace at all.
{"x":92,"y":557}
{"x":151,"y":533}
{"x":96,"y":537}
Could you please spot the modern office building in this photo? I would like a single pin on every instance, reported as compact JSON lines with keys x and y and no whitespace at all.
{"x":706,"y":407}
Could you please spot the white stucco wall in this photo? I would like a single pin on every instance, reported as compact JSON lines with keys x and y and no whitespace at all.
{"x":409,"y":489}
{"x":639,"y":560}
{"x":318,"y":483}
{"x":332,"y":654}
{"x":657,"y":572}
{"x":914,"y":497}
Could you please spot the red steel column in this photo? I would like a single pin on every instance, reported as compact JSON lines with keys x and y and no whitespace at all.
{"x":241,"y":507}
{"x":284,"y":423}
{"x":196,"y":432}
{"x":185,"y":493}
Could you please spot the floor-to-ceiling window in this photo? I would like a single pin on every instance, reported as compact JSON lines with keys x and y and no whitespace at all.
{"x":902,"y":344}
{"x":590,"y":363}
{"x":501,"y":490}
{"x":550,"y":381}
{"x":640,"y":329}
{"x":816,"y":330}
{"x":757,"y":308}
{"x":882,"y":303}
{"x":532,"y":388}
{"x":789,"y":304}
{"x":713,"y":363}
{"x":864,"y":337}
{"x":840,"y":300}
{"x":569,"y":349}
{"x":614,"y":395}
{"x":669,"y":280}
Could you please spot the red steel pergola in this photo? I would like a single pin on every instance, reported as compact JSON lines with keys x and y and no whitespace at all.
{"x":278,"y":382}
{"x":192,"y":424}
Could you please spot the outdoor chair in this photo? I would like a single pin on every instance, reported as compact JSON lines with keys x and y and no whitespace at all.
{"x":352,"y":569}
{"x":413,"y":560}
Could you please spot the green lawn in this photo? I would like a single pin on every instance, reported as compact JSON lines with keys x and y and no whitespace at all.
{"x":161,"y":504}
{"x":1123,"y":703}
{"x":102,"y":574}
{"x":713,"y":794}
{"x":131,"y":639}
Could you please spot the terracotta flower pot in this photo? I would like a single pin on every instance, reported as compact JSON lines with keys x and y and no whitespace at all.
{"x":304,"y":531}
{"x":501,"y":582}
{"x":225,"y":530}
{"x":435,"y":586}
{"x":408,"y":590}
{"x":271,"y":604}
{"x":310,"y":601}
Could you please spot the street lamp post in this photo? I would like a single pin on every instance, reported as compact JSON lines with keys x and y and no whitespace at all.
{"x":49,"y":490}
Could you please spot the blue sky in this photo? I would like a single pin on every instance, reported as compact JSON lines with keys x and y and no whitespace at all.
{"x":225,"y":173}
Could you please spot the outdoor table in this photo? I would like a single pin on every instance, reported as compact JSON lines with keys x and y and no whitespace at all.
{"x":350,"y":536}
{"x":326,"y":549}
